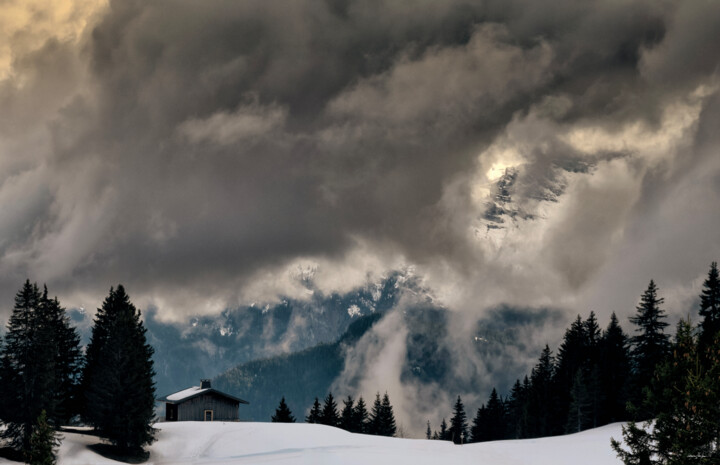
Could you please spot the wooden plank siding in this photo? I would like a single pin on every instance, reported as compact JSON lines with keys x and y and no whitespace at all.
{"x":194,"y":409}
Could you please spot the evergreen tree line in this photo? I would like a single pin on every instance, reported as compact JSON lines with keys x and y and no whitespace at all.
{"x":683,"y":394}
{"x":353,"y":417}
{"x":46,"y":381}
{"x":599,"y":376}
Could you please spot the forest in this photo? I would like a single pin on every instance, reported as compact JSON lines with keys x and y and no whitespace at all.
{"x":596,"y":377}
{"x":47,"y":381}
{"x":665,"y":387}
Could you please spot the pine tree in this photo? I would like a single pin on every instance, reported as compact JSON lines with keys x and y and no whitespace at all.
{"x":514,"y":410}
{"x":375,"y":418}
{"x":458,"y":423}
{"x":527,"y":409}
{"x":650,"y":346}
{"x":360,"y":416}
{"x":444,"y":433}
{"x":347,"y":417}
{"x":387,"y":424}
{"x":639,"y":442}
{"x":592,"y":335}
{"x":43,"y":443}
{"x":31,"y":365}
{"x":580,"y":412}
{"x":315,"y":411}
{"x":685,"y":393}
{"x":68,"y":362}
{"x":118,"y":377}
{"x":329,"y":415}
{"x":542,"y":415}
{"x":496,"y":417}
{"x":428,"y":431}
{"x":710,"y":308}
{"x":479,"y":431}
{"x":18,"y":371}
{"x":592,"y":373}
{"x":614,"y":371}
{"x":596,"y":395}
{"x":518,"y":410}
{"x":283,"y":413}
{"x":572,"y":356}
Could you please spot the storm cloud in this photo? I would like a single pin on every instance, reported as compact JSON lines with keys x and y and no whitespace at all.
{"x":206,"y":153}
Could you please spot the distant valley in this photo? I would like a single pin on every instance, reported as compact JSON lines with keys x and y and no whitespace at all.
{"x":298,"y":349}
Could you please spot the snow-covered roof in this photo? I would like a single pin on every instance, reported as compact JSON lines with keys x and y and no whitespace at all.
{"x":195,"y":391}
{"x":185,"y":393}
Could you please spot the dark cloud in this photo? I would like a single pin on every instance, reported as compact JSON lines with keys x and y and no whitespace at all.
{"x":689,"y":53}
{"x":192,"y":150}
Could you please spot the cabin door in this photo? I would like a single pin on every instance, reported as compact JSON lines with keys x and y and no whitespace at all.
{"x":171,"y":412}
{"x":208,"y":415}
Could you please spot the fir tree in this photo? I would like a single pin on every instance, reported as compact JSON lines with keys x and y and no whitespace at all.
{"x":283,"y":413}
{"x":26,"y":371}
{"x":580,"y":412}
{"x":315,"y":411}
{"x":43,"y":443}
{"x":375,"y":419}
{"x":710,"y":308}
{"x":118,"y":377}
{"x":347,"y":417}
{"x":444,"y":433}
{"x":650,"y":346}
{"x":596,"y":395}
{"x":428,"y":431}
{"x":542,"y":414}
{"x":517,"y":411}
{"x":479,"y":431}
{"x":360,"y":416}
{"x":387,"y":423}
{"x":685,"y":393}
{"x":329,"y":415}
{"x":527,"y":407}
{"x":592,"y":335}
{"x":458,"y":423}
{"x":614,"y":367}
{"x":38,"y":365}
{"x":496,"y":417}
{"x":572,"y":356}
{"x":68,"y":362}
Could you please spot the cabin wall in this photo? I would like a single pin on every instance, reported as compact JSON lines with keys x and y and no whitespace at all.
{"x":194,"y":409}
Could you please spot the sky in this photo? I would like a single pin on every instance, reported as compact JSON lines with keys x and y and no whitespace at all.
{"x":212,"y":154}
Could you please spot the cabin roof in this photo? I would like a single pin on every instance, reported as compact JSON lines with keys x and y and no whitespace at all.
{"x":192,"y":392}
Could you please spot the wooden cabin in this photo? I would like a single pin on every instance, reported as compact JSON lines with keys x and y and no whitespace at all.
{"x":201,"y":403}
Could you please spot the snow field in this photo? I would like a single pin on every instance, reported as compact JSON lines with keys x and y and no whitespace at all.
{"x":272,"y":443}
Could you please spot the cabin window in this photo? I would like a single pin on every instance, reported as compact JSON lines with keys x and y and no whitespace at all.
{"x":208,"y":415}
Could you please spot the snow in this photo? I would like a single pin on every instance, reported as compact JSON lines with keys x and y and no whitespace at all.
{"x":185,"y":393}
{"x":354,"y":311}
{"x":249,"y":443}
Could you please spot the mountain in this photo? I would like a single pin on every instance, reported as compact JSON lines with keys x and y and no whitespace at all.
{"x":203,"y":346}
{"x":520,"y":195}
{"x":299,"y":377}
{"x":264,"y":345}
{"x":499,"y":345}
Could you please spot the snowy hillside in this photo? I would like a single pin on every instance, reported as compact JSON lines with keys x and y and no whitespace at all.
{"x":248,"y":443}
